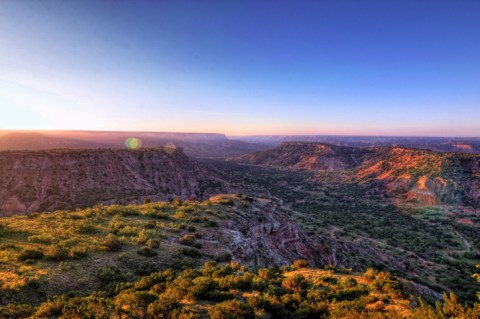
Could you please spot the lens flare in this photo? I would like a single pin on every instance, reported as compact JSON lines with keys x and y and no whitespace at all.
{"x":170,"y":148}
{"x":133,"y":143}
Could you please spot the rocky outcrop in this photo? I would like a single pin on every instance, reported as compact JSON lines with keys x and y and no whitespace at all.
{"x":423,"y":176}
{"x":66,"y":179}
{"x":262,"y":234}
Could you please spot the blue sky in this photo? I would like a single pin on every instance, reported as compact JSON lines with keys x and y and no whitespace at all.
{"x":242,"y":67}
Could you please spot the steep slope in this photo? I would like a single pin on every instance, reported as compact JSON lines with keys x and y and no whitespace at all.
{"x":424,"y":176}
{"x":309,"y":156}
{"x":65,"y":179}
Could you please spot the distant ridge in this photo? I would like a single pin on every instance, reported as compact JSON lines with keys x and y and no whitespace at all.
{"x":194,"y":144}
{"x":440,"y":144}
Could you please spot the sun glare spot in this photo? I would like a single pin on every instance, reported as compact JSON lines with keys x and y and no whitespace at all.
{"x":133,"y":143}
{"x":170,"y":148}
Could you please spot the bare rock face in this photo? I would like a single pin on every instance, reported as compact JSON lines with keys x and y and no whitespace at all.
{"x":263,"y":234}
{"x":424,"y":176}
{"x":66,"y":179}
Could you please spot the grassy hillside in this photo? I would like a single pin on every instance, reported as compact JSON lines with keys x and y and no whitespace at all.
{"x":143,"y":261}
{"x":44,"y":254}
{"x":223,"y":291}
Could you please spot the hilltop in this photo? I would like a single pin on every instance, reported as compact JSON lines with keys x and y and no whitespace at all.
{"x":309,"y":156}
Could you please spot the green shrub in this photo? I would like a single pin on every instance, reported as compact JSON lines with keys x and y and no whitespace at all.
{"x":163,"y":307}
{"x":385,"y":282}
{"x":191,"y":252}
{"x":111,"y":243}
{"x":301,"y":263}
{"x":42,"y":238}
{"x":7,"y":247}
{"x":151,"y":243}
{"x":109,"y":275}
{"x":119,"y":210}
{"x":157,"y":215}
{"x":147,"y":252}
{"x":133,"y":304}
{"x":83,"y":227}
{"x":347,"y":282}
{"x":201,"y":288}
{"x":343,"y":309}
{"x":12,"y":311}
{"x":223,"y":257}
{"x":29,"y":254}
{"x":232,"y":309}
{"x":228,"y":202}
{"x":77,"y":252}
{"x":88,"y":308}
{"x":57,"y":253}
{"x":145,"y":268}
{"x":312,"y":311}
{"x":187,"y":240}
{"x":327,"y":279}
{"x":150,"y":225}
{"x":52,"y":308}
{"x":3,"y":230}
{"x":296,"y":283}
{"x":370,"y":275}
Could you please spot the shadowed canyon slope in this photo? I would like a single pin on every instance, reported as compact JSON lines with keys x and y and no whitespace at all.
{"x":65,"y":179}
{"x":414,"y":175}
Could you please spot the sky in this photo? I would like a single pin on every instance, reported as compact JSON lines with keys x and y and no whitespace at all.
{"x":242,"y":67}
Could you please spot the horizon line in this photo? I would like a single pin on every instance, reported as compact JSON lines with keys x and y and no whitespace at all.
{"x":240,"y":135}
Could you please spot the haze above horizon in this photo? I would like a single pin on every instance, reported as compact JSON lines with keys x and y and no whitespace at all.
{"x":409,"y":68}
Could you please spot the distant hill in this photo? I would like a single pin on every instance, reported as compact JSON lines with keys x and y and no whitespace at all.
{"x":439,"y":144}
{"x":424,"y":176}
{"x":194,"y":144}
{"x":65,"y":179}
{"x":310,"y":156}
{"x":415,"y":175}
